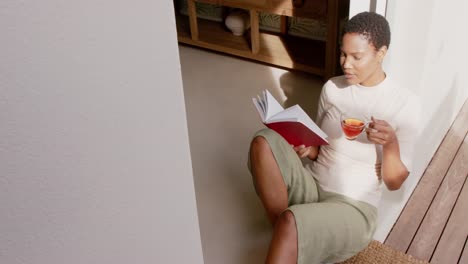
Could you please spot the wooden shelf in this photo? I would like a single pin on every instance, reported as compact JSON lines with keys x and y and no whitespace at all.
{"x":310,"y":9}
{"x":284,"y":51}
{"x":278,"y":49}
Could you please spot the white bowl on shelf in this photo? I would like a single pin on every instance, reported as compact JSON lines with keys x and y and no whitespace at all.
{"x":238,"y":21}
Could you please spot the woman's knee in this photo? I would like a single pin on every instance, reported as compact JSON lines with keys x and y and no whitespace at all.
{"x":287,"y":222}
{"x":286,"y":231}
{"x":259,"y":145}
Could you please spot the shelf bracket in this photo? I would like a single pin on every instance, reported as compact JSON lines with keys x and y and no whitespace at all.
{"x":254,"y":31}
{"x":284,"y":25}
{"x":192,"y":12}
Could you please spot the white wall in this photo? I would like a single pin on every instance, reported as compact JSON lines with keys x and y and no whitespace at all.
{"x":377,"y":6}
{"x":427,"y":55}
{"x":94,"y":157}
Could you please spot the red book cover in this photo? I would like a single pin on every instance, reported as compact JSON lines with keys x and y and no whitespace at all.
{"x":292,"y":123}
{"x":297,"y":134}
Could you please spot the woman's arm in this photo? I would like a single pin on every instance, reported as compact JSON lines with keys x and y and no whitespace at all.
{"x":394,"y":172}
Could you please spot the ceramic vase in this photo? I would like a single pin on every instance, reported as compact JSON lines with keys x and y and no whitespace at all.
{"x":238,"y":21}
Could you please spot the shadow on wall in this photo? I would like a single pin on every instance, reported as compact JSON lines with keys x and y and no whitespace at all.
{"x":302,"y":89}
{"x":443,"y":115}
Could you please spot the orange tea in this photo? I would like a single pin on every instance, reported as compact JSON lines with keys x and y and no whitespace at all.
{"x":352,"y":127}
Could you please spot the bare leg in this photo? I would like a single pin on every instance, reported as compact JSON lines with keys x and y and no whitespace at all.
{"x":283,"y":247}
{"x":274,"y":196}
{"x":267,"y":175}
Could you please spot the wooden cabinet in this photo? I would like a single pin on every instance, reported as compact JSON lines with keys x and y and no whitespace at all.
{"x":279,"y":49}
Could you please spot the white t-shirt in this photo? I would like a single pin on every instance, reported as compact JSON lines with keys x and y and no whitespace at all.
{"x":352,"y":167}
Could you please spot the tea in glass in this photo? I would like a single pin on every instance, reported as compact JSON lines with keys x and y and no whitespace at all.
{"x":352,"y":125}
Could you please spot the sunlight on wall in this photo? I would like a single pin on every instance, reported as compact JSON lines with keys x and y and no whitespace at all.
{"x":277,"y":91}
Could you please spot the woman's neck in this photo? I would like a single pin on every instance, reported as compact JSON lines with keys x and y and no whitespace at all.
{"x":375,"y":79}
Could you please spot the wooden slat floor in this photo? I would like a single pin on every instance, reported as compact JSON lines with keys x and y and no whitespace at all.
{"x":433,"y":225}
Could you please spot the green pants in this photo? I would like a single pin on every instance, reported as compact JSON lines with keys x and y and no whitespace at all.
{"x":330,"y":227}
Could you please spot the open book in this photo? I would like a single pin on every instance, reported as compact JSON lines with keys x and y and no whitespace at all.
{"x":292,"y":123}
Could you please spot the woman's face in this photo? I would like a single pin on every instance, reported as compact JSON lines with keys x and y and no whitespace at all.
{"x":360,"y":61}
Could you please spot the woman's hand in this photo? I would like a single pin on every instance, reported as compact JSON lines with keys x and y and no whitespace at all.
{"x":381,"y":132}
{"x":303,"y":151}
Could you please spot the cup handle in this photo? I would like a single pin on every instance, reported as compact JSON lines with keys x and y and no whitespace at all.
{"x":366,"y":125}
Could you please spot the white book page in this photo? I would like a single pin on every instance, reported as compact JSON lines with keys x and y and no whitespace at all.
{"x":296,"y":113}
{"x":307,"y":121}
{"x":259,"y":108}
{"x":272,"y":106}
{"x":289,"y":114}
{"x":263,"y":103}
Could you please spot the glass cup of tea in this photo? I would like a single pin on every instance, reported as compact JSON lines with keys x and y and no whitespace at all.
{"x":352,"y":124}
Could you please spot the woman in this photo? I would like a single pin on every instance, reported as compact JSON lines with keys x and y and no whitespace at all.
{"x":327,"y":211}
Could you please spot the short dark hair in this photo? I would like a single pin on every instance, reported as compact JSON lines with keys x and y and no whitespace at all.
{"x":372,"y":26}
